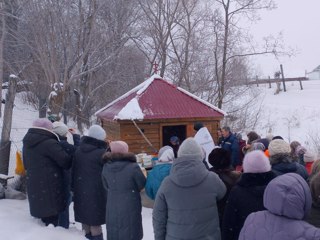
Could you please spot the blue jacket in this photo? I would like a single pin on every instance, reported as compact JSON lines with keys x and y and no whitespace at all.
{"x":155,"y":178}
{"x":231,"y":144}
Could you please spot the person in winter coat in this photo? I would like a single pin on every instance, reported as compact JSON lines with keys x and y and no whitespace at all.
{"x":287,"y":200}
{"x":159,"y":171}
{"x":62,"y":130}
{"x":252,"y":137}
{"x":186,"y":203}
{"x":44,"y":160}
{"x":89,"y":197}
{"x":247,"y":195}
{"x":175,"y":144}
{"x":314,"y":216}
{"x":230,"y":143}
{"x":220,"y":159}
{"x":123,"y":180}
{"x":281,"y":162}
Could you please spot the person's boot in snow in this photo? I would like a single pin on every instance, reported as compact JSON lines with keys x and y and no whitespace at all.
{"x":88,"y":236}
{"x":98,"y":237}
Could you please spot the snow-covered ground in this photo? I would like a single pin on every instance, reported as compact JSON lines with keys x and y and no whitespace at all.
{"x":294,"y":115}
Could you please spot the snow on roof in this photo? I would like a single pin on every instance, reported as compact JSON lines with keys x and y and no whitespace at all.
{"x":131,"y":111}
{"x":139,"y":89}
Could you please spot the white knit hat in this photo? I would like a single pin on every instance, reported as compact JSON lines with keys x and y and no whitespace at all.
{"x":256,"y":162}
{"x":309,"y":157}
{"x":278,"y":146}
{"x":97,"y":132}
{"x":190,"y":147}
{"x":59,"y":128}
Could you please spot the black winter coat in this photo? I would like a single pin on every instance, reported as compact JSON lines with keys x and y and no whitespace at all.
{"x":44,"y":159}
{"x":283,"y":163}
{"x":123,"y":180}
{"x":245,"y":197}
{"x":229,"y":178}
{"x":89,"y":198}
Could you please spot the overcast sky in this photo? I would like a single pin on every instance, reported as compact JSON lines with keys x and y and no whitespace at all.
{"x":299,"y":21}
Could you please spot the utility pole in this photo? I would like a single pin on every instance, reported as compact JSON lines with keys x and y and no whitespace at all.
{"x":5,"y":143}
{"x":284,"y":84}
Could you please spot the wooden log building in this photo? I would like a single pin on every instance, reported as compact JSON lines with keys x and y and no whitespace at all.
{"x":149,"y":114}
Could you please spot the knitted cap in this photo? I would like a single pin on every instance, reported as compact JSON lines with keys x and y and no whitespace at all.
{"x":190,"y":148}
{"x":166,"y":155}
{"x":256,"y":162}
{"x":119,"y":147}
{"x":42,"y":123}
{"x":97,"y":132}
{"x":309,"y":157}
{"x":278,"y":146}
{"x":59,"y":128}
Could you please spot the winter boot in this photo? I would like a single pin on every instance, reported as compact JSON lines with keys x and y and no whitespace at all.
{"x":88,"y":236}
{"x":98,"y":237}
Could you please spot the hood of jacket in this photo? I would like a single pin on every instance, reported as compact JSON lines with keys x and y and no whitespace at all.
{"x":117,"y":161}
{"x":89,"y":144}
{"x":35,"y":136}
{"x":288,"y":195}
{"x":188,"y":172}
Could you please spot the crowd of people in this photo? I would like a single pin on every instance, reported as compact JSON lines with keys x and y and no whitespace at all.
{"x":261,"y":188}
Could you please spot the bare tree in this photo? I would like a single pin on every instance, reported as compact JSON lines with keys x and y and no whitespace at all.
{"x":231,"y":41}
{"x":158,"y":18}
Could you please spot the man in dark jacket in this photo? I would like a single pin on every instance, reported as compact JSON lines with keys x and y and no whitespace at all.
{"x":186,"y":203}
{"x":44,"y":160}
{"x":89,"y":198}
{"x":230,"y":143}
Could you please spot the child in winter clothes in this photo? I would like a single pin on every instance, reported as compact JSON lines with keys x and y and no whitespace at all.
{"x":247,"y":195}
{"x":159,"y":171}
{"x":122,"y":180}
{"x":287,"y":200}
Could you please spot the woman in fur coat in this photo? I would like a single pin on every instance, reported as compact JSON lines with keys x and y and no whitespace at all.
{"x":122,"y":180}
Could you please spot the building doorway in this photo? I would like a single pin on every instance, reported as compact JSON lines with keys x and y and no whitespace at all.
{"x":174,"y":130}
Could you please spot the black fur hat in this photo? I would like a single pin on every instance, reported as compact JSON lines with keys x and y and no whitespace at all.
{"x":220,"y":158}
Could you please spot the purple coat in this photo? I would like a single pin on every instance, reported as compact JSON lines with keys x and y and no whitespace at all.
{"x":287,"y":199}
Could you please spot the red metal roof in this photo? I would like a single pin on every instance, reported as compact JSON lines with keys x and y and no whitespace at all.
{"x":162,"y":100}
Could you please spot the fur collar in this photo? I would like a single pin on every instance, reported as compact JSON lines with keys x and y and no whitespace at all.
{"x":280,"y":158}
{"x":122,"y":157}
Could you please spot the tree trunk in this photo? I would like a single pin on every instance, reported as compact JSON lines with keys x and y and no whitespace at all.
{"x":5,"y":143}
{"x":3,"y":20}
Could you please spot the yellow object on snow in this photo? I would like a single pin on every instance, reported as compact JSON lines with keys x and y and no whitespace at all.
{"x":19,"y":164}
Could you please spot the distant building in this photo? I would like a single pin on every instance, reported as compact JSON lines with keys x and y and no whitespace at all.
{"x":315,"y":74}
